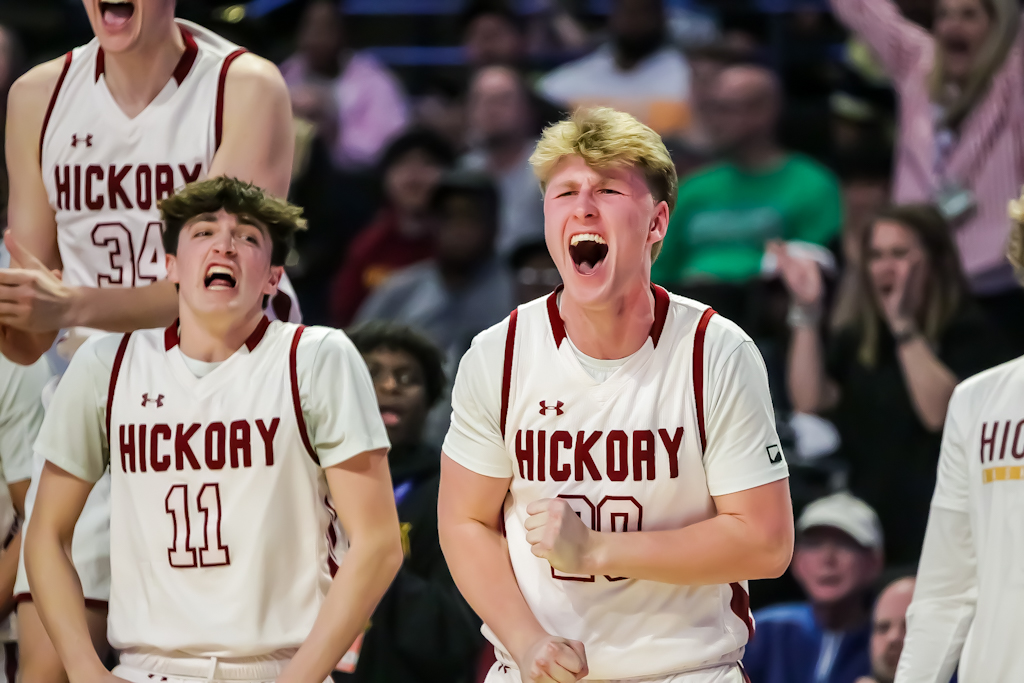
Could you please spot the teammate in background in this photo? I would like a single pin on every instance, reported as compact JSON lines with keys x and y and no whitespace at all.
{"x":968,"y":588}
{"x":228,"y":436}
{"x":611,"y":405}
{"x":94,"y":140}
{"x":21,"y":413}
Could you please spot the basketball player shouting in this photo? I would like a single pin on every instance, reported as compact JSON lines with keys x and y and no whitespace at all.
{"x":612,"y":406}
{"x":94,"y":140}
{"x":228,"y":436}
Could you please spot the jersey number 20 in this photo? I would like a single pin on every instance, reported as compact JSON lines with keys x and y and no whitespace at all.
{"x":182,"y":553}
{"x":613,"y":513}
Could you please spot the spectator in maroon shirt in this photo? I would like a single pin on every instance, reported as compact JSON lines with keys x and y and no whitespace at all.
{"x":399,"y":235}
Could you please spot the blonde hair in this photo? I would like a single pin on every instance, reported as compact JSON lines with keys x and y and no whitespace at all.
{"x":604,"y":137}
{"x":1004,"y":16}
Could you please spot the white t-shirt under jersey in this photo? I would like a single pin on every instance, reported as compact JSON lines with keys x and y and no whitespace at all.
{"x":625,"y":452}
{"x":970,"y":587}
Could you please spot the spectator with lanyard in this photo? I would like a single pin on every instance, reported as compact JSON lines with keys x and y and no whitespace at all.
{"x":422,"y":630}
{"x":961,"y":128}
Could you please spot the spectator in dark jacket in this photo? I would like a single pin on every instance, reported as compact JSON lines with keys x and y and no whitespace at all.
{"x":422,"y":630}
{"x":838,"y":556}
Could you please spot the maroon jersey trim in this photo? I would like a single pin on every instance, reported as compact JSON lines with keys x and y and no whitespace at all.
{"x":698,"y":374}
{"x":661,"y":302}
{"x":218,"y":126}
{"x":171,"y":338}
{"x":114,"y":372}
{"x":181,"y":70}
{"x":53,"y":102}
{"x":294,"y":374}
{"x":506,"y":374}
{"x":740,"y":605}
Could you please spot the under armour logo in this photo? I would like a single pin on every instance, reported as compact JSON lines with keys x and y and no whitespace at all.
{"x":87,"y":140}
{"x":544,"y":408}
{"x":775,"y":451}
{"x":159,"y":400}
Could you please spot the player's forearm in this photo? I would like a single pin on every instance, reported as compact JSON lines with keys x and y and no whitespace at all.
{"x":123,"y":309}
{"x":478,"y":558}
{"x":57,"y":594}
{"x":723,"y":549}
{"x":8,"y":574}
{"x":362,"y":579}
{"x":929,"y":381}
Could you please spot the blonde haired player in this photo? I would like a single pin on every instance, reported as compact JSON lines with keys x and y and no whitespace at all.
{"x":967,"y":600}
{"x":94,"y":140}
{"x":228,"y":437}
{"x":612,"y":406}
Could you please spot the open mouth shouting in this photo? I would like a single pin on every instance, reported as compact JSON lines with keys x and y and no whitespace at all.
{"x":116,"y":13}
{"x":587,"y":250}
{"x":219,"y":277}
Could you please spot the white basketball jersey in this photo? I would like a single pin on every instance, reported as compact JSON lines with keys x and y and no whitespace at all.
{"x":221,"y":526}
{"x":626,"y":453}
{"x":104,"y":173}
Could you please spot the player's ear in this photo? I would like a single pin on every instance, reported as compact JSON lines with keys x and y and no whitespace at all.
{"x":276,"y":273}
{"x":659,"y":223}
{"x":172,"y":269}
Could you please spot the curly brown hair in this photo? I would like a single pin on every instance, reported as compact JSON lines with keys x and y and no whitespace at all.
{"x":281,"y":218}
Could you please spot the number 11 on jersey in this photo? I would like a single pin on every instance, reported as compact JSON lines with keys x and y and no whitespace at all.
{"x":182,"y":552}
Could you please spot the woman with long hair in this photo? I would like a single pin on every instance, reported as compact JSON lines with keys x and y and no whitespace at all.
{"x":961,"y":127}
{"x":885,"y":379}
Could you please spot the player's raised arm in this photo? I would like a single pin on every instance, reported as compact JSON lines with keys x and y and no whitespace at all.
{"x":256,"y":107}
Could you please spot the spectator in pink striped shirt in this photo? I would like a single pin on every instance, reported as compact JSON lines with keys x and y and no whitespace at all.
{"x":961,"y":128}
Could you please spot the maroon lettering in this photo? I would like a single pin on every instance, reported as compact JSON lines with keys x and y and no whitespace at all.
{"x":542,"y":447}
{"x":560,"y":472}
{"x":989,"y":441}
{"x":672,"y":445}
{"x":159,"y":462}
{"x":267,"y":433}
{"x":78,"y":187}
{"x":182,"y":449}
{"x":194,"y":175}
{"x":142,"y":448}
{"x":1017,"y":455}
{"x":144,"y":186}
{"x":643,"y":454}
{"x":114,"y":189}
{"x":524,"y":454}
{"x":581,"y":455}
{"x":215,"y":457}
{"x":93,"y":171}
{"x":164,"y":181}
{"x":1006,"y":433}
{"x":63,"y":186}
{"x":240,"y":443}
{"x":617,"y":455}
{"x":127,"y":448}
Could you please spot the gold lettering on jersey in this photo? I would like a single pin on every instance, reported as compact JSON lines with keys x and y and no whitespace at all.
{"x":159,"y":447}
{"x":626,"y":454}
{"x":116,"y":187}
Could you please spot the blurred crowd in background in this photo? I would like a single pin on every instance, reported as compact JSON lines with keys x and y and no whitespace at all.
{"x":844,"y":176}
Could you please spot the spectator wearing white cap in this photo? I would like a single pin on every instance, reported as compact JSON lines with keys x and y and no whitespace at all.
{"x":837,"y":559}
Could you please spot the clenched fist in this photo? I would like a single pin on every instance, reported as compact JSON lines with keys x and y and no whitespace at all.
{"x":554,"y":660}
{"x":556,"y":533}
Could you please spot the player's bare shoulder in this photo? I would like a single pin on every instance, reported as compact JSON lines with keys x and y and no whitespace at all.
{"x":251,"y":78}
{"x":30,"y":97}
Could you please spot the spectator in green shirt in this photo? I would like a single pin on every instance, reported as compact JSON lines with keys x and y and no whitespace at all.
{"x":760,"y":192}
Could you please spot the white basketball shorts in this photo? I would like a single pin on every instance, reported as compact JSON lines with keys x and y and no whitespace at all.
{"x":731,"y":673}
{"x":145,"y":667}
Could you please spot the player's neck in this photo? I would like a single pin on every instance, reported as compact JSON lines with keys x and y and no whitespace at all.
{"x":137,"y":76}
{"x":214,"y":338}
{"x":611,"y":329}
